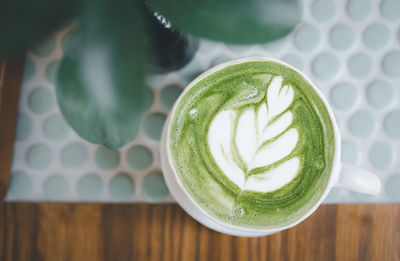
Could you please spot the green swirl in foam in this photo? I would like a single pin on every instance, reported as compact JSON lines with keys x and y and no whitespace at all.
{"x":238,"y":87}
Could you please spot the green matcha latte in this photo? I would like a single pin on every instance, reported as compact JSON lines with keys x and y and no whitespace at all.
{"x":253,"y":144}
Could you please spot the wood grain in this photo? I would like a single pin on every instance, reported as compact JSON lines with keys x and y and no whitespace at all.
{"x":10,"y":83}
{"x":50,"y":231}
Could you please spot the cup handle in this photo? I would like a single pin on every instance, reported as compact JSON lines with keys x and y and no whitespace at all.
{"x":358,"y":180}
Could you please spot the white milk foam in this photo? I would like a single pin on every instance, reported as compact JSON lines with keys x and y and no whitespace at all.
{"x":256,"y":141}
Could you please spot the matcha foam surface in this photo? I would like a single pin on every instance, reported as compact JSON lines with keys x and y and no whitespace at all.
{"x":253,"y":144}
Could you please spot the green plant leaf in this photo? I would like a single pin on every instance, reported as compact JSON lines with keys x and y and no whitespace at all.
{"x":232,"y":21}
{"x":24,"y":22}
{"x":100,"y":84}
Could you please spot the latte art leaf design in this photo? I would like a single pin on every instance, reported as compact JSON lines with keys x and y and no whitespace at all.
{"x":253,"y":146}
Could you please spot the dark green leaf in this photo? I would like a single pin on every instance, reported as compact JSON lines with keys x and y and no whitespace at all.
{"x":100,"y":85}
{"x":233,"y":21}
{"x":24,"y":22}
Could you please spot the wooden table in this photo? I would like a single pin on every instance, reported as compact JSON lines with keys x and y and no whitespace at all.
{"x":89,"y":232}
{"x":48,"y":231}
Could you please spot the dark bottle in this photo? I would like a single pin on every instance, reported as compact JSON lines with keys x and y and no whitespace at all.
{"x":170,"y":49}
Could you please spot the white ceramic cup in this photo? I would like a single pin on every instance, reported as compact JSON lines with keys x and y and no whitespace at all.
{"x":343,"y":175}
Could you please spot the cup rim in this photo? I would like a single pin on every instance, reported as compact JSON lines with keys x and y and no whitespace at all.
{"x":336,"y":159}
